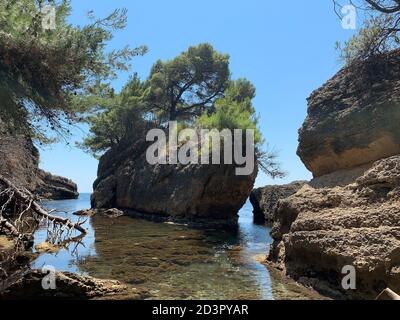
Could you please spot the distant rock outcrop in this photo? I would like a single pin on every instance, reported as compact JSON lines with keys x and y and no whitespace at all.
{"x":55,"y":187}
{"x":19,"y":162}
{"x":204,"y":194}
{"x":349,"y":215}
{"x":265,"y":200}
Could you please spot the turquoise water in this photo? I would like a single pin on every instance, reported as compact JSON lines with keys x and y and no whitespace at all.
{"x":170,"y":261}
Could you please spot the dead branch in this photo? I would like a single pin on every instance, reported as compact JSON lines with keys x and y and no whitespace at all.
{"x":15,"y":206}
{"x":4,"y":223}
{"x":27,"y":200}
{"x":388,"y":294}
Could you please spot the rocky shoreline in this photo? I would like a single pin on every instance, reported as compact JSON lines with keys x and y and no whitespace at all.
{"x":20,"y":163}
{"x":319,"y":231}
{"x":70,"y":286}
{"x":299,"y":291}
{"x":265,"y":200}
{"x":349,"y":214}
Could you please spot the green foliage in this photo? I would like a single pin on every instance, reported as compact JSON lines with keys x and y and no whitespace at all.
{"x":184,"y":87}
{"x":195,"y":89}
{"x":118,"y":118}
{"x":376,"y":37}
{"x":234,"y":110}
{"x":379,"y":34}
{"x":45,"y":73}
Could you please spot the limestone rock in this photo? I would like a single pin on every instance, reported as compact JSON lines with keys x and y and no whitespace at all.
{"x":349,"y":214}
{"x":54,"y":187}
{"x":318,"y":231}
{"x":354,"y":118}
{"x":70,"y":286}
{"x":190,"y":192}
{"x":265,"y":200}
{"x":19,"y":162}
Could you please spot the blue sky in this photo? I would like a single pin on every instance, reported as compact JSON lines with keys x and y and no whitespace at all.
{"x":286,"y":48}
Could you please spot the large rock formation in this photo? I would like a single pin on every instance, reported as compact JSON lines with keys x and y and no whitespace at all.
{"x":198,"y":193}
{"x":319,"y":231}
{"x":265,"y":200}
{"x":354,"y":118}
{"x":19,"y":162}
{"x":349,"y":215}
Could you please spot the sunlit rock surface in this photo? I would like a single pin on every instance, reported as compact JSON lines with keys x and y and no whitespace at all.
{"x":198,"y":193}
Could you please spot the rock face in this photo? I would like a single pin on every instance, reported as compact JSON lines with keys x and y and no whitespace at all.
{"x":354,"y":118}
{"x":19,"y":162}
{"x":198,"y":193}
{"x":54,"y":187}
{"x":349,"y":214}
{"x":265,"y":200}
{"x":70,"y":286}
{"x":319,"y":231}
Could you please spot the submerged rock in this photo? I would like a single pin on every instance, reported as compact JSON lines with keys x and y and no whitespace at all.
{"x":85,"y":213}
{"x":265,"y":200}
{"x":109,"y":213}
{"x":70,"y":286}
{"x":199,"y":193}
{"x":46,"y":247}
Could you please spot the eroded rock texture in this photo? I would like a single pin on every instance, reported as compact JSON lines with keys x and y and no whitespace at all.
{"x":265,"y":200}
{"x":200,"y":193}
{"x":349,"y":214}
{"x":320,"y":230}
{"x":19,"y":162}
{"x":69,"y":286}
{"x":354,"y":118}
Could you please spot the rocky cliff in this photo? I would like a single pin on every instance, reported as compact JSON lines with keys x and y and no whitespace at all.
{"x":354,"y":118}
{"x":265,"y":200}
{"x":349,"y":215}
{"x":19,"y":161}
{"x":319,"y":231}
{"x":198,"y":193}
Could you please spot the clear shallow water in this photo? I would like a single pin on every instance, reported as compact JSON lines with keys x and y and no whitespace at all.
{"x":170,"y":261}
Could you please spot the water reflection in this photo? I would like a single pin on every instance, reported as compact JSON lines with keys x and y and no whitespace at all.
{"x":171,"y":261}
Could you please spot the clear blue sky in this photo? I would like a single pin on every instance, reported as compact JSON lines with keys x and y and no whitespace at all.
{"x":286,"y":48}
